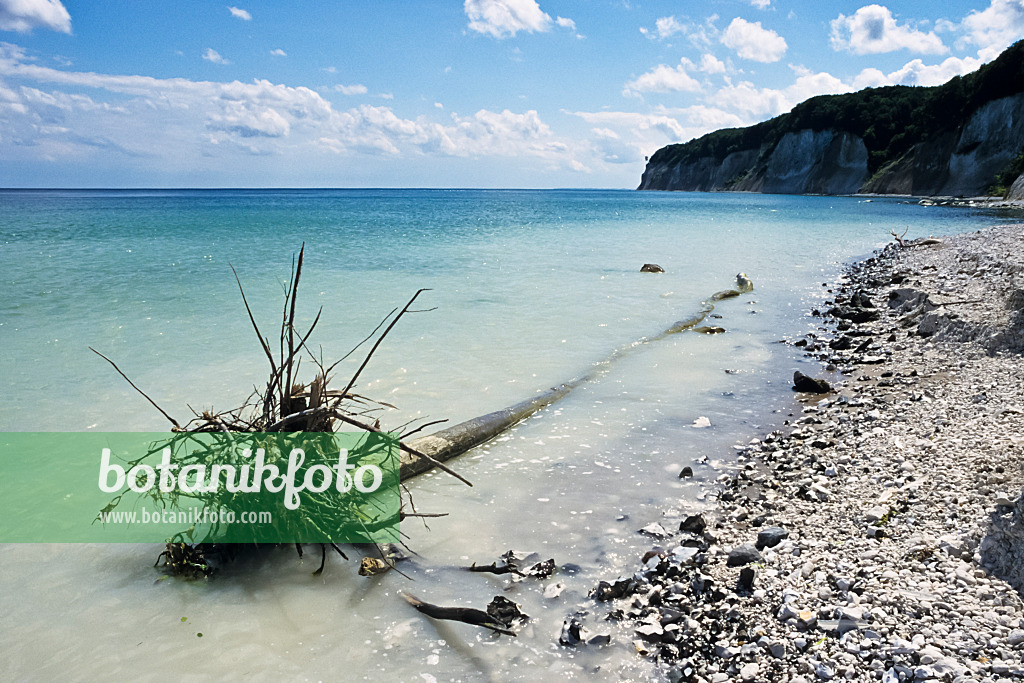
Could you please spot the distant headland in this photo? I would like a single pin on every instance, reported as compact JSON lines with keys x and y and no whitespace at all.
{"x":963,"y":138}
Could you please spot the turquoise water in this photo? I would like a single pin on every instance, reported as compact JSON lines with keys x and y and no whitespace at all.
{"x":528,"y":289}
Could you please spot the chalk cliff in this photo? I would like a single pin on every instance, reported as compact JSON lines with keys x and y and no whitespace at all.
{"x":964,"y":138}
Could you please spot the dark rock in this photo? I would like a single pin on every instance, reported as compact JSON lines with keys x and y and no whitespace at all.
{"x":695,"y":524}
{"x":854,"y":314}
{"x":611,"y":591}
{"x":743,"y":554}
{"x":686,"y":472}
{"x":861,"y":300}
{"x":573,"y":632}
{"x":542,"y":570}
{"x":803,"y":383}
{"x":505,"y":611}
{"x":746,"y":582}
{"x":770,"y":537}
{"x":843,"y":343}
{"x":651,"y":268}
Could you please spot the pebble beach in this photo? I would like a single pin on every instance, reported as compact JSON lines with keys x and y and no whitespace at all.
{"x":879,"y":535}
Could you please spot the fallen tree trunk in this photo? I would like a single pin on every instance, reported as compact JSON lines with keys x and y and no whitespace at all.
{"x":457,"y":439}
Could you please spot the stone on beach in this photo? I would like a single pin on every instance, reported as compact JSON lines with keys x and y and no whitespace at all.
{"x":805,"y":384}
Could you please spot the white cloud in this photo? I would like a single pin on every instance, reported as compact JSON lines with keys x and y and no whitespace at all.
{"x":701,"y":36}
{"x":995,"y":27}
{"x":24,"y":15}
{"x":668,"y":26}
{"x":873,"y":30}
{"x":752,"y":41}
{"x":664,"y":79}
{"x":761,"y":4}
{"x":626,"y":137}
{"x":748,"y":99}
{"x":356,"y":89}
{"x":212,"y":55}
{"x":240,"y":13}
{"x":505,"y":18}
{"x":279,"y":53}
{"x":917,"y":72}
{"x":710,"y":64}
{"x":635,"y":124}
{"x":181,"y":123}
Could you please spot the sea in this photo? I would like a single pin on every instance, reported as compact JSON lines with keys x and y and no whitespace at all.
{"x":525,"y":290}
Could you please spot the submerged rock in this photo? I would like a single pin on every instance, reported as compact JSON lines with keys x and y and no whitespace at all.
{"x":651,"y":268}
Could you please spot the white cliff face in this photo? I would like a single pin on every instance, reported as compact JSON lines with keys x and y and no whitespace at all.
{"x":1017,"y":189}
{"x":960,"y":162}
{"x":993,"y":136}
{"x":817,"y":162}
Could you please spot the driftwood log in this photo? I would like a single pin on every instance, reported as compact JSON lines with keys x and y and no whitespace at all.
{"x":426,"y":452}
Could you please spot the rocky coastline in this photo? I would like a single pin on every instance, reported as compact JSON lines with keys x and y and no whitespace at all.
{"x":880,"y":534}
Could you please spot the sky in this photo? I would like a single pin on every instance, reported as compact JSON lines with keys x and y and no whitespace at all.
{"x":480,"y":93}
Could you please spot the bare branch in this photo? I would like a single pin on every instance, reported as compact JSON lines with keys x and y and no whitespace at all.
{"x":411,"y":451}
{"x":380,"y":339}
{"x":162,"y":411}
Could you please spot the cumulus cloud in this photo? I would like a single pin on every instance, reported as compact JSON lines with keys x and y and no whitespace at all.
{"x":699,"y":35}
{"x":212,"y":55}
{"x":710,"y":64}
{"x":761,"y":4}
{"x":751,"y":101}
{"x":505,"y":18}
{"x":668,"y":26}
{"x":619,"y":137}
{"x":355,"y":89}
{"x":916,"y":72}
{"x":751,"y":41}
{"x":240,"y":13}
{"x":279,"y":53}
{"x":181,"y":121}
{"x":995,"y":27}
{"x":664,"y":78}
{"x":873,"y":30}
{"x":24,"y":15}
{"x":635,"y":124}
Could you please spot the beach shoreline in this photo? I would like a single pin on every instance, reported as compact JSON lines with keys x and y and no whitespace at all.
{"x":880,"y":535}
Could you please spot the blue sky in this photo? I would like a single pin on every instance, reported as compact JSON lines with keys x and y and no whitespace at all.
{"x":480,"y":93}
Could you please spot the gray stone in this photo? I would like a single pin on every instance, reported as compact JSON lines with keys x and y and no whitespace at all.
{"x":743,"y":554}
{"x":651,"y":268}
{"x":770,"y":537}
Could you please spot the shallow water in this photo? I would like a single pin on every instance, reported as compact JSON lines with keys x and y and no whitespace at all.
{"x":529,"y":288}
